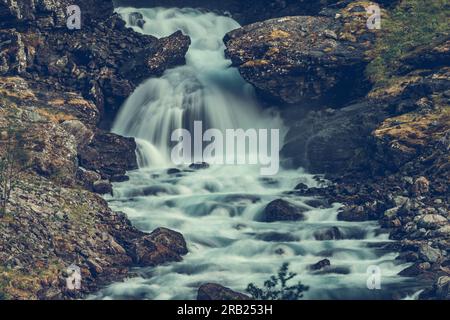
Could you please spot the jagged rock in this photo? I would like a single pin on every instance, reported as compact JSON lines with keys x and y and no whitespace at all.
{"x":332,"y":142}
{"x":429,"y":254}
{"x":109,"y":154}
{"x":329,"y":234}
{"x":282,"y":210}
{"x":162,"y":245}
{"x":432,"y":221}
{"x":294,"y":59}
{"x":212,"y":291}
{"x":88,"y":178}
{"x":353,"y":213}
{"x":102,"y":187}
{"x":320,"y":265}
{"x":83,"y":136}
{"x":52,"y":13}
{"x":415,"y":270}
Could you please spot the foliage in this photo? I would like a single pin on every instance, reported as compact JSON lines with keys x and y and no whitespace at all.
{"x":411,"y":24}
{"x":13,"y":162}
{"x":276,"y":288}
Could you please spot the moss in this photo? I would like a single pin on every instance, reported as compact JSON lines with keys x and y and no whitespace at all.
{"x":255,"y":63}
{"x":411,"y":24}
{"x":279,"y":34}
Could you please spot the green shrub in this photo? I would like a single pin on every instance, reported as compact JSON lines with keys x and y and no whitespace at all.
{"x":411,"y":24}
{"x":276,"y":288}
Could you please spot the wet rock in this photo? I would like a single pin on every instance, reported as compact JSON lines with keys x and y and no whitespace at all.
{"x":109,"y":154}
{"x":301,"y":186}
{"x":353,"y":213}
{"x":119,"y":178}
{"x":332,"y":143}
{"x":102,"y":187}
{"x":161,"y":246}
{"x":212,"y":291}
{"x":282,"y":210}
{"x":320,"y":265}
{"x":199,"y":166}
{"x":173,"y":171}
{"x":87,"y":178}
{"x":136,"y":19}
{"x":317,"y":203}
{"x":329,"y":234}
{"x":415,"y":270}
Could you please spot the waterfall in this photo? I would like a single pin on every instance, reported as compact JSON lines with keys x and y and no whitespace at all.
{"x":218,"y":209}
{"x":205,"y":89}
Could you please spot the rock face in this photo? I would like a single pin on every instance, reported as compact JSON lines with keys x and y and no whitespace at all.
{"x":109,"y":154}
{"x":52,"y":13}
{"x":216,"y":292}
{"x":304,"y":59}
{"x":71,"y":226}
{"x":104,"y":61}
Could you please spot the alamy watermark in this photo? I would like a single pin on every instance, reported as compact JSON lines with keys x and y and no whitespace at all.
{"x":232,"y":147}
{"x":73,"y":280}
{"x":374,"y":20}
{"x":73,"y":17}
{"x":374,"y":278}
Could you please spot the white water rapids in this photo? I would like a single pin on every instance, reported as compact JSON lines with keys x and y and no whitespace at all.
{"x":216,"y":209}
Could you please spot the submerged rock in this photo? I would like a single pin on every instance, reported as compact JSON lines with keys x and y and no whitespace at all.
{"x":329,"y":234}
{"x":282,"y":210}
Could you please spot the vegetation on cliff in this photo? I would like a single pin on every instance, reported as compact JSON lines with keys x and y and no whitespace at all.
{"x":411,"y":24}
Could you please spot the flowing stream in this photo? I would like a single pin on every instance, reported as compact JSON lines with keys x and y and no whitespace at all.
{"x":217,"y":209}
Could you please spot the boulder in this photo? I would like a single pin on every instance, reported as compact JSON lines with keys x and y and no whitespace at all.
{"x":353,"y":213}
{"x":102,"y":187}
{"x":161,"y":246}
{"x":81,"y":133}
{"x":320,"y":265}
{"x":432,"y":221}
{"x":429,"y":254}
{"x":212,"y":291}
{"x":109,"y":154}
{"x":87,"y":178}
{"x":304,"y":59}
{"x":282,"y":210}
{"x":329,"y":234}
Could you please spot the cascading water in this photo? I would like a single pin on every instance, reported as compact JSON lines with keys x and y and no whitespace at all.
{"x":217,"y":209}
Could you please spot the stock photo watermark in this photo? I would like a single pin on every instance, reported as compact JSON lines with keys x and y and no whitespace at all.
{"x":374,"y":278}
{"x":234,"y":147}
{"x":73,"y":17}
{"x":73,"y":280}
{"x":374,"y":20}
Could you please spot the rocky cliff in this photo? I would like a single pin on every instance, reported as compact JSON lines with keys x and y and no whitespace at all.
{"x":59,"y":89}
